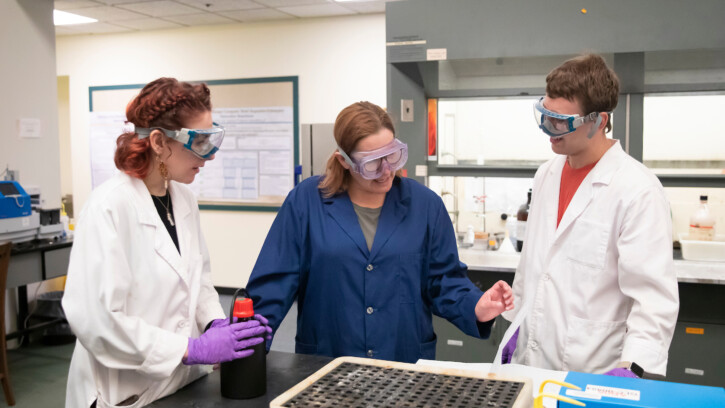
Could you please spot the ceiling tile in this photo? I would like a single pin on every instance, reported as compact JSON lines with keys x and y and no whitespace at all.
{"x":257,"y":15}
{"x":365,"y":6}
{"x":289,"y":3}
{"x":162,"y":8}
{"x":200,"y":19}
{"x":99,"y":28}
{"x":148,"y":24}
{"x":222,"y":5}
{"x":66,"y":5}
{"x":317,"y":10}
{"x":108,"y":13}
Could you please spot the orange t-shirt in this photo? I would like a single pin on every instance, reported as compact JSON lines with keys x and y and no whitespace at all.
{"x":570,"y":181}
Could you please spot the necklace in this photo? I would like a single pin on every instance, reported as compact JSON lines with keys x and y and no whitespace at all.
{"x":166,"y":206}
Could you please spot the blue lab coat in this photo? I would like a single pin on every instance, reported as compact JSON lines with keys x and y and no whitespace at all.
{"x":358,"y":302}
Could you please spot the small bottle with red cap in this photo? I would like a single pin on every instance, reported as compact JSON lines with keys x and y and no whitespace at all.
{"x":245,"y":378}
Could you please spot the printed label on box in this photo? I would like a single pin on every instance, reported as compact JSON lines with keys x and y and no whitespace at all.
{"x":612,"y":392}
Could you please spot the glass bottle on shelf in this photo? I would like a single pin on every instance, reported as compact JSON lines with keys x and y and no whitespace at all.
{"x":521,"y":217}
{"x":702,"y":223}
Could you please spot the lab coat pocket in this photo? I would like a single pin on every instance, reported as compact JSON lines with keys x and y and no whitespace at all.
{"x":593,"y":346}
{"x":409,"y":276}
{"x":302,"y":348}
{"x":428,"y":350}
{"x":588,"y":242}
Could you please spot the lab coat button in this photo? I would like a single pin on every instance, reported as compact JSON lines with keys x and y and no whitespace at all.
{"x":370,"y":353}
{"x":182,"y":324}
{"x":533,"y":345}
{"x":369,"y":268}
{"x":546,"y":277}
{"x":370,"y":310}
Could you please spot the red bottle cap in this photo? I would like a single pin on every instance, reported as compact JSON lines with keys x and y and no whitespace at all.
{"x":243,"y":308}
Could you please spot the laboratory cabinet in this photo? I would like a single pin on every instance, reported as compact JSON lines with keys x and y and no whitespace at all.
{"x":454,"y":345}
{"x":697,"y":352}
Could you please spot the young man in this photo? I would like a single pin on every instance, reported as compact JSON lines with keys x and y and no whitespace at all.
{"x":596,"y":280}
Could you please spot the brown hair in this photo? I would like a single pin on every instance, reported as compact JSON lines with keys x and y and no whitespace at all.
{"x":587,"y":80}
{"x":165,"y":103}
{"x":357,"y":121}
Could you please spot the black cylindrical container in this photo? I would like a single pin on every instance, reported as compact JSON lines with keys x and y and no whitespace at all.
{"x":245,"y":378}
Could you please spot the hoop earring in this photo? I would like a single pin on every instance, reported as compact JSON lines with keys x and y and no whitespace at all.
{"x":164,"y":172}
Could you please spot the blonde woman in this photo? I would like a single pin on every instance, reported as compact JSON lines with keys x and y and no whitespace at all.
{"x":368,"y":255}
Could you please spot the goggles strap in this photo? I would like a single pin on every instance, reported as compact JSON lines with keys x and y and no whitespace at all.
{"x":347,"y":158}
{"x":594,"y":128}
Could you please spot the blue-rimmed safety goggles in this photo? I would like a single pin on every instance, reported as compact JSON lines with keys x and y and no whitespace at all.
{"x":557,"y":124}
{"x":201,"y":142}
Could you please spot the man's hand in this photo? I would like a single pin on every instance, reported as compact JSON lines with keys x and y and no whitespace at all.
{"x":495,"y":301}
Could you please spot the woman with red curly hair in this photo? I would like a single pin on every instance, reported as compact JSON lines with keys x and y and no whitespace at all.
{"x":139,"y":295}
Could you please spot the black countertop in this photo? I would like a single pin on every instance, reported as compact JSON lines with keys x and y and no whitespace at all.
{"x":40,"y":245}
{"x":284,"y":370}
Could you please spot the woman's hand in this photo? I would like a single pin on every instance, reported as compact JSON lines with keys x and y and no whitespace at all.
{"x":495,"y":301}
{"x":220,"y":344}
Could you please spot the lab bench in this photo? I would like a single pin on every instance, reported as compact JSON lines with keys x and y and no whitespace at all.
{"x":31,"y":262}
{"x":284,"y":370}
{"x":697,"y":355}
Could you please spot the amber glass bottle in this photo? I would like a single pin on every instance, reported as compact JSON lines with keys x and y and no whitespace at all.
{"x":521,"y":217}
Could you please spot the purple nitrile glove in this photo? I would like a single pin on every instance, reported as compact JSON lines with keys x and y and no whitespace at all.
{"x":621,"y":372}
{"x":508,"y":350}
{"x":263,"y":320}
{"x":218,"y":323}
{"x":227,"y":343}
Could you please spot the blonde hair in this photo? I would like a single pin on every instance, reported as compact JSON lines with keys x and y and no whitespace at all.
{"x":589,"y":81}
{"x":355,"y":122}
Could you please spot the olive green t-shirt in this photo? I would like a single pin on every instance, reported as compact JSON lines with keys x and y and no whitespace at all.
{"x":368,"y":219}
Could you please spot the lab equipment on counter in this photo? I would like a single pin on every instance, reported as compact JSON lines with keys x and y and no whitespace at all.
{"x":360,"y":382}
{"x":695,"y":250}
{"x":22,"y":219}
{"x":18,"y":222}
{"x":244,"y":378}
{"x":605,"y":391}
{"x":495,"y":240}
{"x":469,"y":238}
{"x":521,"y":217}
{"x":702,"y":223}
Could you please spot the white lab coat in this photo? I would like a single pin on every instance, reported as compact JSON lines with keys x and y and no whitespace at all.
{"x":601,"y":288}
{"x":131,"y":298}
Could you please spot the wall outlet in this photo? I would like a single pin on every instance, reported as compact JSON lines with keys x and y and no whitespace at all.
{"x":406,"y":110}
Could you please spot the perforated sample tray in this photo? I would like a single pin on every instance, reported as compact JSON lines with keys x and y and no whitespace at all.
{"x":350,"y":382}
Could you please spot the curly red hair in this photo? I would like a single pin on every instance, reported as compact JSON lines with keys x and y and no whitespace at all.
{"x":165,"y":103}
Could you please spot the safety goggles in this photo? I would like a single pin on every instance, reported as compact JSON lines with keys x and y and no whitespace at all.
{"x":557,"y":124}
{"x":371,"y":165}
{"x":201,"y":142}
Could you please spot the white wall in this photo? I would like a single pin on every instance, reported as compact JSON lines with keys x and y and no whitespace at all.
{"x":338,"y":60}
{"x":28,"y":83}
